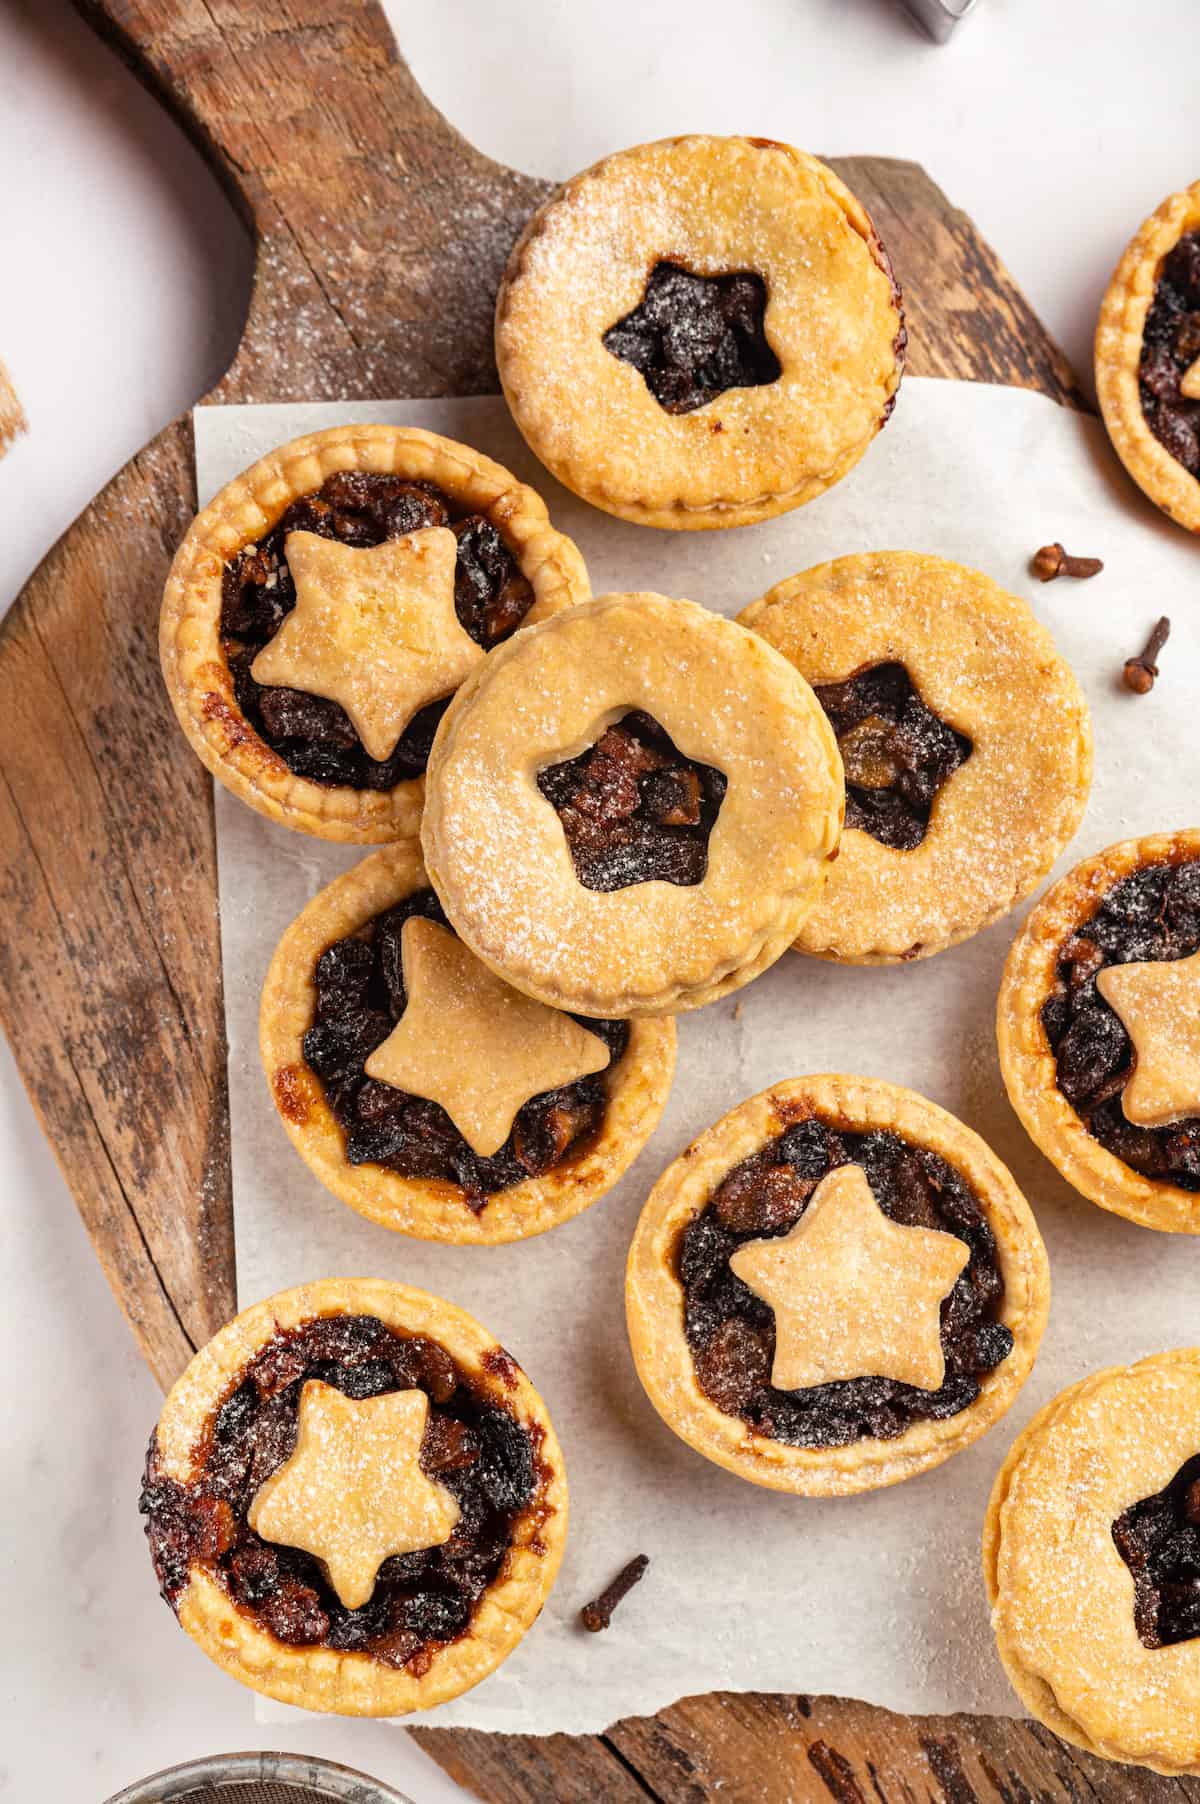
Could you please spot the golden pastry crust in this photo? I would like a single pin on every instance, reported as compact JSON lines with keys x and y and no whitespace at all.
{"x":715,"y":205}
{"x":653,"y":1294}
{"x":981,"y":661}
{"x":194,"y":665}
{"x":1118,"y":352}
{"x":1062,"y":1597}
{"x":1027,"y":1058}
{"x":428,"y":1208}
{"x":496,"y":851}
{"x":353,"y":1684}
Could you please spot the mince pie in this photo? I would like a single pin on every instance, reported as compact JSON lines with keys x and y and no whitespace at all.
{"x":355,"y":1500}
{"x":965,"y":738}
{"x":426,"y":1092}
{"x":835,"y":1287}
{"x":1148,"y":358}
{"x":1099,"y":1029}
{"x":631,"y":807}
{"x":1091,"y":1554}
{"x":700,"y":332}
{"x":324,"y":607}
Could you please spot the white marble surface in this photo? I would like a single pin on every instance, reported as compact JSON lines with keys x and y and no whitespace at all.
{"x":124,"y":279}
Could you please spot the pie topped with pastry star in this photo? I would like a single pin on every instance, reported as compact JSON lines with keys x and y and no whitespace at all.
{"x":835,"y":1287}
{"x":428,"y":1093}
{"x":325,"y":606}
{"x":1099,"y":1028}
{"x":354,"y":1499}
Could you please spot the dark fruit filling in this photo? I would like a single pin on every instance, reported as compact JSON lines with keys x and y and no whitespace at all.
{"x":897,"y":753}
{"x":1170,"y":344}
{"x":313,"y":736}
{"x":692,"y":337}
{"x":360,"y":998}
{"x":480,"y":1452}
{"x":634,"y":809}
{"x":731,"y":1331}
{"x":1152,"y":914}
{"x":1159,"y":1541}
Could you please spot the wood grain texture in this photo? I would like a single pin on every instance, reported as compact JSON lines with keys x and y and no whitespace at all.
{"x":380,"y":235}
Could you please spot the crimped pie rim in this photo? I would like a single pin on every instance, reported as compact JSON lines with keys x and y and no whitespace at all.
{"x":1118,"y":351}
{"x":1002,"y":609}
{"x":653,"y":1295}
{"x":1035,"y":1691}
{"x":1027,"y":1063}
{"x":693,"y":508}
{"x":324,"y":1679}
{"x":425,"y":1208}
{"x":769,"y":916}
{"x":194,"y":667}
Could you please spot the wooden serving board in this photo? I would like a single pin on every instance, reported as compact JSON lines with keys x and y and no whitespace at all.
{"x":380,"y":237}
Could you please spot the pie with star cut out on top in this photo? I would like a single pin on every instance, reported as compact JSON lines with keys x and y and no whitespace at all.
{"x":428,"y":1094}
{"x":355,"y":1500}
{"x":631,"y":807}
{"x":1098,"y":1023}
{"x":835,"y":1287}
{"x":701,"y":332}
{"x":324,"y":607}
{"x":1091,"y":1548}
{"x":1148,"y":357}
{"x":966,"y":742}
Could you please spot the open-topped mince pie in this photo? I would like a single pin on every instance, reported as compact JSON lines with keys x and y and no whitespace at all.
{"x":965,"y":738}
{"x":1148,"y":357}
{"x":426,"y":1092}
{"x":326,"y":604}
{"x":1091,"y":1554}
{"x":355,"y":1500}
{"x":1099,"y":1028}
{"x":631,"y":807}
{"x":700,"y":332}
{"x":835,"y":1287}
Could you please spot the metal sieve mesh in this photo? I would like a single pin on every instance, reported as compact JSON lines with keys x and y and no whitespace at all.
{"x":260,"y":1779}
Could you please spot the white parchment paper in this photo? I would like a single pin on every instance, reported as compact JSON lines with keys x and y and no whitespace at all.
{"x":877,"y":1597}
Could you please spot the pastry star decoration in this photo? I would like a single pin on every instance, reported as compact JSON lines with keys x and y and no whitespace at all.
{"x":1189,"y":384}
{"x":855,"y":1294}
{"x":374,"y":629}
{"x":469,"y":1041}
{"x":1159,"y":1007}
{"x":352,"y":1493}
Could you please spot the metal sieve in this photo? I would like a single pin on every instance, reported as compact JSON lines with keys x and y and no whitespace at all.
{"x":259,"y":1779}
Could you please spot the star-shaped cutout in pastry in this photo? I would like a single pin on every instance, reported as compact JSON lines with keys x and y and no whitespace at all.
{"x":855,"y":1294}
{"x":352,"y":1492}
{"x":373,"y":628}
{"x":1159,"y":1007}
{"x":471,"y":1042}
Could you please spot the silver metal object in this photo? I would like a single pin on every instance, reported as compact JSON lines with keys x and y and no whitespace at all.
{"x":259,"y":1779}
{"x":938,"y":18}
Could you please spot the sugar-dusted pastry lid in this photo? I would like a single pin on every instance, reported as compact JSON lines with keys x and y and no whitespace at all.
{"x":1118,"y":352}
{"x":354,"y":1684}
{"x":1062,"y":1597}
{"x":1027,"y":1060}
{"x":496,"y":852}
{"x":653,"y":1294}
{"x":981,"y":661}
{"x":429,"y":1208}
{"x":714,"y":205}
{"x":194,"y":665}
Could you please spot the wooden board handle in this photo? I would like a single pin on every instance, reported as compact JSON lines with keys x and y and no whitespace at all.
{"x":381,"y":232}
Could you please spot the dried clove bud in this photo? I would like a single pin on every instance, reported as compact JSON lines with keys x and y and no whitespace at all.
{"x":598,"y":1614}
{"x":1051,"y":561}
{"x":1139,"y":673}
